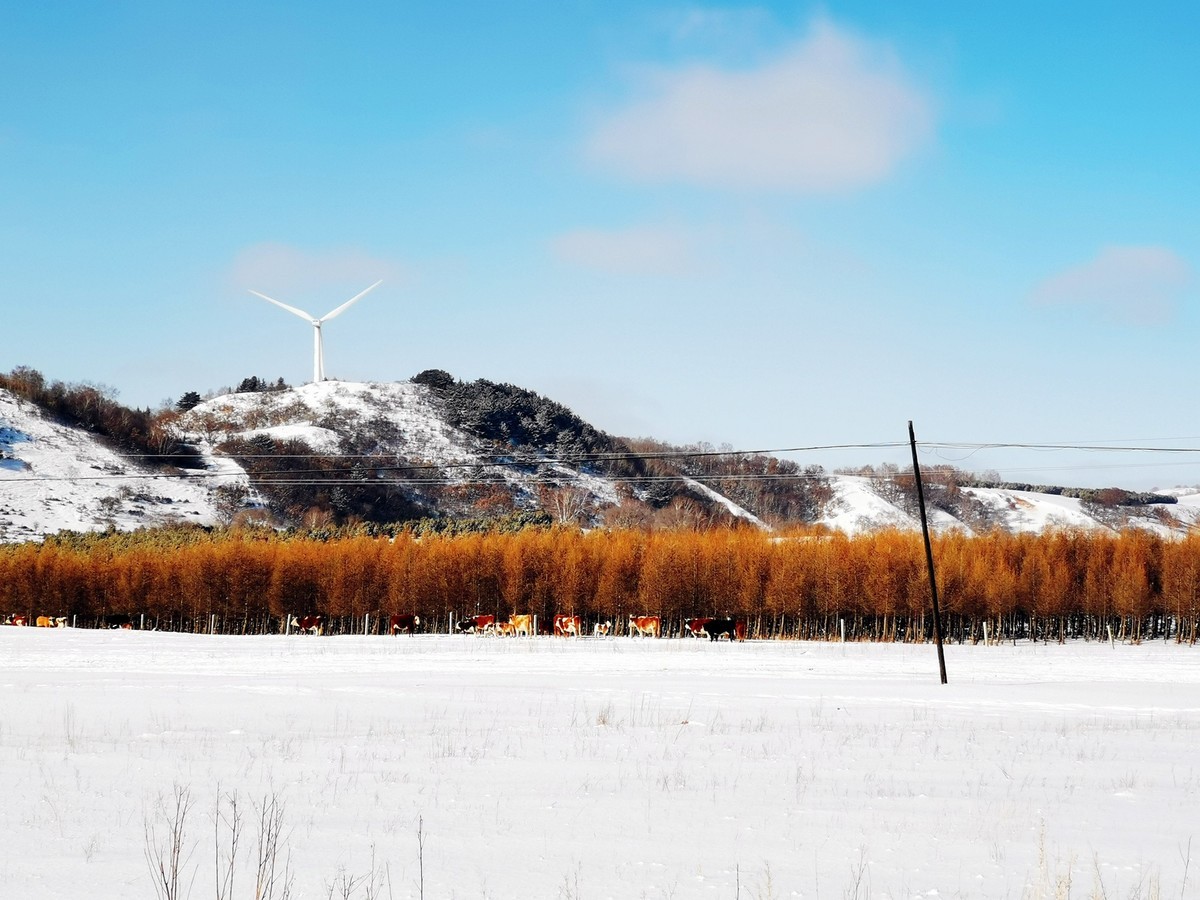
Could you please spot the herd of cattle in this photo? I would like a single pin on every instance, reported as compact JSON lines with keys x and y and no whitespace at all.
{"x":40,"y":621}
{"x":526,"y":625}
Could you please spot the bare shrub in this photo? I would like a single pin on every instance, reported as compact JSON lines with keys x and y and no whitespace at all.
{"x":167,"y":850}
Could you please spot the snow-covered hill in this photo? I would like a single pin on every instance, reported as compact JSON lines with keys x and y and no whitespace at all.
{"x":54,"y":477}
{"x":397,"y":420}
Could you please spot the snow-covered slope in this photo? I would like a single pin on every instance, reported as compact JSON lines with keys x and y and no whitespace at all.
{"x":392,"y":419}
{"x":857,"y":508}
{"x":54,"y":478}
{"x":400,"y":414}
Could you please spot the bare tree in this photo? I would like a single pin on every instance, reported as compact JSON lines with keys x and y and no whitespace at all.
{"x":566,"y":504}
{"x":421,"y":856}
{"x":228,"y":500}
{"x":167,"y":853}
{"x":227,"y":816}
{"x":273,"y":871}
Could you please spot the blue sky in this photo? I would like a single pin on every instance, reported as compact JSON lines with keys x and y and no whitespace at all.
{"x":767,"y":225}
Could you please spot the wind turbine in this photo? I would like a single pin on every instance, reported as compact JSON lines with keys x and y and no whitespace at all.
{"x":318,"y":346}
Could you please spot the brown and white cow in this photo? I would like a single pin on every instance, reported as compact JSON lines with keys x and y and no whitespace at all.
{"x":522,"y":624}
{"x":408,"y":624}
{"x":51,"y":622}
{"x":310,"y":624}
{"x":478,"y":624}
{"x":16,"y":619}
{"x":601,"y":629}
{"x":645,"y":626}
{"x":695,"y":627}
{"x":568,"y":626}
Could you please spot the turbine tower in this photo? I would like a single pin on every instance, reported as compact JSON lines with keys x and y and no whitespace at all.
{"x":318,"y":346}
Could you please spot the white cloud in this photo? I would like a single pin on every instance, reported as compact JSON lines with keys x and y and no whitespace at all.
{"x":639,"y":250}
{"x":289,"y":270}
{"x":1138,"y":285}
{"x":833,"y":112}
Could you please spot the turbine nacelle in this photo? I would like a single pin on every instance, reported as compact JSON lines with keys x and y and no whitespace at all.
{"x":318,"y":343}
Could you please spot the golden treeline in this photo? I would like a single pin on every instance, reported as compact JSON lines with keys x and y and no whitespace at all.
{"x":1051,"y":586}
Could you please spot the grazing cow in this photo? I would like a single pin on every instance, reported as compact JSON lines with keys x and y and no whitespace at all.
{"x":404,"y":623}
{"x":522,"y":624}
{"x":311,"y":624}
{"x":601,"y":629}
{"x":645,"y":626}
{"x":695,"y":627}
{"x":51,"y":622}
{"x":735,"y":628}
{"x":118,"y":620}
{"x":478,"y":624}
{"x":568,"y":626}
{"x":16,"y":619}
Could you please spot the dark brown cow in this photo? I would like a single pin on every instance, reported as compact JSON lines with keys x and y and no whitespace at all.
{"x":17,"y":619}
{"x":478,"y":624}
{"x":118,"y":620}
{"x":311,"y":624}
{"x":408,"y":624}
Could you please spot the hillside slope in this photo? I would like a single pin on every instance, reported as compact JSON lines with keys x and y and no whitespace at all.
{"x":55,"y":477}
{"x":387,"y":452}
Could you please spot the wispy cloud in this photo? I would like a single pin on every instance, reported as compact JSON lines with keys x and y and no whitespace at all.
{"x":832,"y":112}
{"x":291,"y":270}
{"x":1136,"y":285}
{"x":638,"y":250}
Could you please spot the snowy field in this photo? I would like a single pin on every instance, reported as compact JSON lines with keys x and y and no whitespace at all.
{"x":619,"y":768}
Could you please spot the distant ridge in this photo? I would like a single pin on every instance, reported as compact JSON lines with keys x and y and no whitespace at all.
{"x":436,"y":448}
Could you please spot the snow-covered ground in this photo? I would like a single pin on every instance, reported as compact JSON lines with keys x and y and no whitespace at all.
{"x":617,"y":768}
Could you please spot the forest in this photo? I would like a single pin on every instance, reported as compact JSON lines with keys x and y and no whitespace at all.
{"x":803,"y":584}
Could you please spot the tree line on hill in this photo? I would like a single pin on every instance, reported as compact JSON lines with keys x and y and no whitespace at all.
{"x":94,"y":409}
{"x":1058,"y":586}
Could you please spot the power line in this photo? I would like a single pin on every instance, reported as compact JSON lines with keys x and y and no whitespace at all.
{"x":285,"y":477}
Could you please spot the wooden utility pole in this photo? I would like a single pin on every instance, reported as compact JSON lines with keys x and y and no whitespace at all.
{"x":937,"y":616}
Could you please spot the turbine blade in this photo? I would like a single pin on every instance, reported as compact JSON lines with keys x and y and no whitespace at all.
{"x":297,"y":312}
{"x":345,"y":306}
